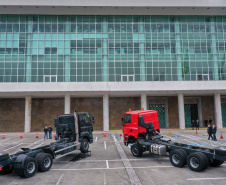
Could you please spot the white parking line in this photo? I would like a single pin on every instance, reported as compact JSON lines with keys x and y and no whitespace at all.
{"x":59,"y":179}
{"x":96,"y":139}
{"x":107,"y":164}
{"x":105,"y":145}
{"x":13,"y":181}
{"x":5,"y":140}
{"x":13,"y":147}
{"x":105,"y":179}
{"x":38,"y":145}
{"x":37,"y":141}
{"x":20,"y":140}
{"x":197,"y":179}
{"x":148,"y":176}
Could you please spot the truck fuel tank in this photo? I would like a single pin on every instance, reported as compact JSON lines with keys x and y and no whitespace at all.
{"x":158,"y":149}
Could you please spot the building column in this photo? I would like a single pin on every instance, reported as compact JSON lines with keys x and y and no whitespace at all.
{"x":27,"y":125}
{"x":217,"y":110}
{"x":105,"y":50}
{"x":181,"y":111}
{"x":144,"y":101}
{"x":214,"y":49}
{"x":67,"y":104}
{"x":200,"y":112}
{"x":28,"y":56}
{"x":178,"y":49}
{"x":67,"y":52}
{"x":166,"y":113}
{"x":142,"y":49}
{"x":106,"y":112}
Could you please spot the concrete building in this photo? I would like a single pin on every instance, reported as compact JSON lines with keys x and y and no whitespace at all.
{"x":106,"y":57}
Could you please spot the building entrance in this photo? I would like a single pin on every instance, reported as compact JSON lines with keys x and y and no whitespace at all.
{"x":190,"y":113}
{"x":223,"y":112}
{"x":160,"y":108}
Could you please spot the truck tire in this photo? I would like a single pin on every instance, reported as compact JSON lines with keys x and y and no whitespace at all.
{"x":84,"y":146}
{"x":136,"y":150}
{"x":4,"y":156}
{"x":185,"y":154}
{"x":206,"y":159}
{"x":221,"y":150}
{"x":196,"y":162}
{"x":216,"y":163}
{"x":45,"y":161}
{"x":177,"y":158}
{"x":30,"y":167}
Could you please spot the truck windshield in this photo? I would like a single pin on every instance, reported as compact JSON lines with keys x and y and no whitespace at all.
{"x":127,"y":118}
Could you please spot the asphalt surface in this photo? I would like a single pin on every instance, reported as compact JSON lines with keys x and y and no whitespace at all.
{"x":111,"y":162}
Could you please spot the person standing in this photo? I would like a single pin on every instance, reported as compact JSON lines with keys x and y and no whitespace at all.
{"x":46,"y":132}
{"x":50,"y":132}
{"x":209,"y":131}
{"x":214,"y":130}
{"x":197,"y":124}
{"x":193,"y":124}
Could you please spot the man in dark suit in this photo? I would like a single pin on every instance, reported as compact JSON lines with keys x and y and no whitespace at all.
{"x":214,"y":128}
{"x":193,"y":124}
{"x":209,"y":131}
{"x":197,"y":124}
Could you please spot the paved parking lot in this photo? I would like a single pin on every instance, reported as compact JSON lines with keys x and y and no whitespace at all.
{"x":111,"y":162}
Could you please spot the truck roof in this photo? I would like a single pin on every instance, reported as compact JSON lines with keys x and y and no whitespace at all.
{"x":140,"y":111}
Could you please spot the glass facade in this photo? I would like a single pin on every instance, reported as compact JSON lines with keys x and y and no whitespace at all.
{"x":39,"y":48}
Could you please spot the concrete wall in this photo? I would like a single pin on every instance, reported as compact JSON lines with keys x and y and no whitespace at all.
{"x":44,"y":111}
{"x":208,"y":108}
{"x":117,"y":107}
{"x":12,"y":115}
{"x":173,"y":112}
{"x":93,"y":106}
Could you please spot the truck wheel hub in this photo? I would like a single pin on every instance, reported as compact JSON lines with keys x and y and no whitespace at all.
{"x":194,"y":162}
{"x":47,"y":162}
{"x":176,"y":159}
{"x":135,"y":151}
{"x":31,"y":167}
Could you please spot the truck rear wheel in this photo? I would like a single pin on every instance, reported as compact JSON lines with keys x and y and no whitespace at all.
{"x":216,"y":163}
{"x":196,"y":162}
{"x":177,"y":158}
{"x":45,"y":161}
{"x":84,"y":146}
{"x":136,"y":150}
{"x":30,"y":167}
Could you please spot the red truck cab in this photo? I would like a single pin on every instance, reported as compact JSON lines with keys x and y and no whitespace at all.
{"x":137,"y":123}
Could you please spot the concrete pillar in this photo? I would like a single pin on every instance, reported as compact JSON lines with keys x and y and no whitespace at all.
{"x":27,"y":125}
{"x":67,"y":52}
{"x":105,"y":50}
{"x":144,"y":101}
{"x":142,"y":49}
{"x":106,"y":112}
{"x":67,"y":104}
{"x":181,"y":111}
{"x":166,"y":113}
{"x":200,"y":112}
{"x":28,"y":56}
{"x":214,"y":49}
{"x":217,"y":110}
{"x":178,"y":49}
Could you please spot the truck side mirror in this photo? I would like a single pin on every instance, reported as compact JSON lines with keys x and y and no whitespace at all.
{"x":93,"y":119}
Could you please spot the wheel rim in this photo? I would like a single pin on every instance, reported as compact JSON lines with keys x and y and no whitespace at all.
{"x":194,"y":162}
{"x":30,"y":167}
{"x":47,"y":162}
{"x":135,"y":151}
{"x":85,"y":144}
{"x":176,"y":159}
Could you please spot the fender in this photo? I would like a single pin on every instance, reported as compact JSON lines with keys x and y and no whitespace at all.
{"x":19,"y":164}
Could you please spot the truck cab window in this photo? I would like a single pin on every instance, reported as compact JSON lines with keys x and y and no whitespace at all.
{"x":127,"y":118}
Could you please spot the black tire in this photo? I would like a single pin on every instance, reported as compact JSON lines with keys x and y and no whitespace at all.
{"x":216,"y":163}
{"x":4,"y":156}
{"x":136,"y":150}
{"x":30,"y":167}
{"x":185,"y":154}
{"x":196,"y":162}
{"x":84,"y":146}
{"x":221,"y":150}
{"x":177,"y":158}
{"x":45,"y":161}
{"x":206,"y":159}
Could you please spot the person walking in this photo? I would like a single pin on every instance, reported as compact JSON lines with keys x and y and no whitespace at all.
{"x":50,"y":132}
{"x":209,"y":131}
{"x":193,"y":124}
{"x":46,"y":132}
{"x":214,"y":130}
{"x":197,"y":124}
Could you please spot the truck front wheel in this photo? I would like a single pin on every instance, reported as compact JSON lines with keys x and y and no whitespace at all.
{"x":136,"y":150}
{"x":84,"y":146}
{"x":30,"y":167}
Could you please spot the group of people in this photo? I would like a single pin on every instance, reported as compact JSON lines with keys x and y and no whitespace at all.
{"x":46,"y":131}
{"x":195,"y":124}
{"x":212,"y":130}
